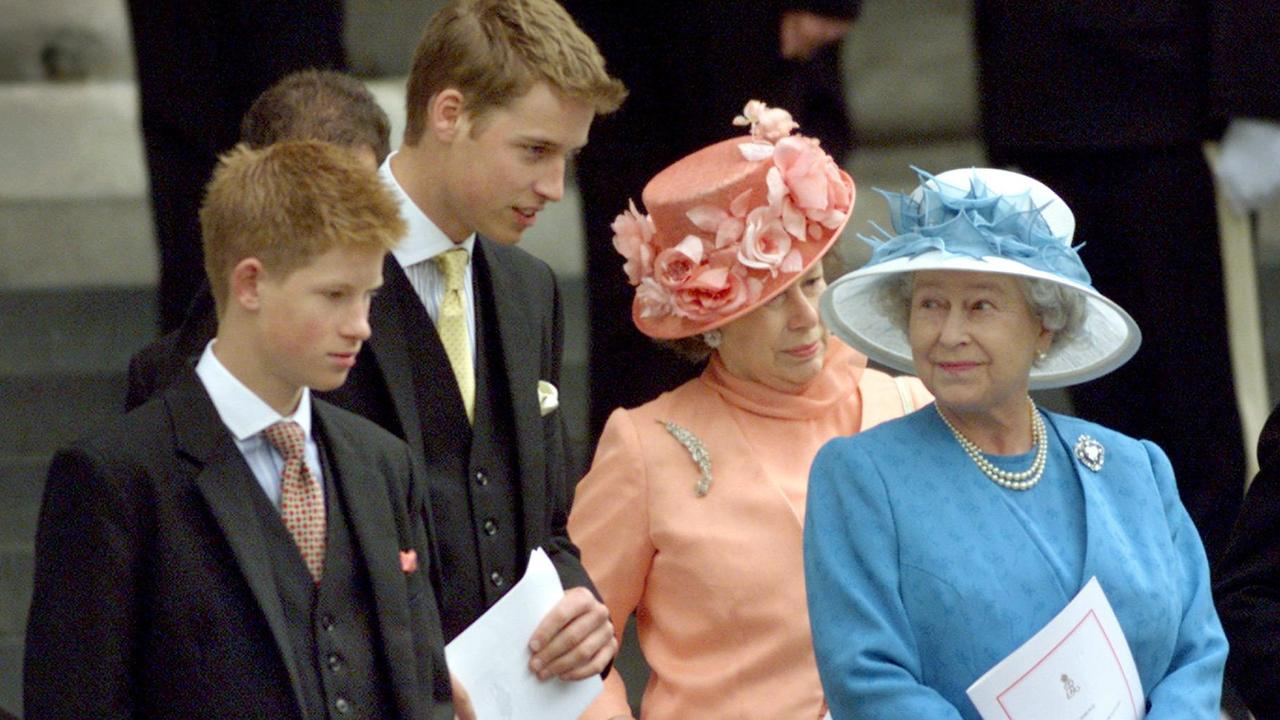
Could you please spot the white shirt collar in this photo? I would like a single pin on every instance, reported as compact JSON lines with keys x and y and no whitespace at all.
{"x":425,"y":239}
{"x":242,"y":411}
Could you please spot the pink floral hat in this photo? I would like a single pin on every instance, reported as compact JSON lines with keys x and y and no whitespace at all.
{"x":730,"y":226}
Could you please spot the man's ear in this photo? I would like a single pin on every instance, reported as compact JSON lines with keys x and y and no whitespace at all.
{"x":446,"y":114}
{"x":246,"y":281}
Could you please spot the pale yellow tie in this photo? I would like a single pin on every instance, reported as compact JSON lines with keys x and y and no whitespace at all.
{"x":452,"y":324}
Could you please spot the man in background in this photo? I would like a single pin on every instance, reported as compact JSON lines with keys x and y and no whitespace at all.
{"x":306,"y":105}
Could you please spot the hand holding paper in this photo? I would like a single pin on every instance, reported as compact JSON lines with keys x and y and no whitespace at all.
{"x":575,"y":640}
{"x":491,"y":658}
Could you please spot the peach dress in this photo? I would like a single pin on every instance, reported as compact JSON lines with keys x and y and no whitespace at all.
{"x":716,"y":582}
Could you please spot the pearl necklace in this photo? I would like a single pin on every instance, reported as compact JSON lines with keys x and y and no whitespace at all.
{"x":1024,"y":480}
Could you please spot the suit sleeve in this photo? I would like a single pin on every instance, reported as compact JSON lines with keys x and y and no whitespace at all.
{"x":862,"y":636}
{"x":1248,"y":594}
{"x":610,"y":523}
{"x":1192,"y":686}
{"x":90,"y":551}
{"x":414,"y":531}
{"x":141,"y":373}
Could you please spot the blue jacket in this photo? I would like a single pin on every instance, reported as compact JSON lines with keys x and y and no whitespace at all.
{"x":921,"y":574}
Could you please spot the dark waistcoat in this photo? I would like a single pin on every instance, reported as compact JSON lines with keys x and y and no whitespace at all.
{"x":331,"y":626}
{"x":481,"y":552}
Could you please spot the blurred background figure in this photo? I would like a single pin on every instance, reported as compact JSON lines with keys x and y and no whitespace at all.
{"x":689,"y":66}
{"x":1110,"y":104}
{"x":200,"y":65}
{"x":1246,"y":584}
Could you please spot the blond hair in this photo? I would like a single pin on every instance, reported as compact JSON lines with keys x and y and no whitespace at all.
{"x":494,"y":51}
{"x":288,"y":203}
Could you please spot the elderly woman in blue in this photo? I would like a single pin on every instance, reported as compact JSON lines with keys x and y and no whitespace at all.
{"x":937,"y":544}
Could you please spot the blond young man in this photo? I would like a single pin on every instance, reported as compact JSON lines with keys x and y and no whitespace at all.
{"x":236,"y":547}
{"x":500,"y":95}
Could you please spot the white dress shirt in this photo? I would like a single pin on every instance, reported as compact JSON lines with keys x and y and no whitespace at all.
{"x":417,"y":252}
{"x":246,"y":415}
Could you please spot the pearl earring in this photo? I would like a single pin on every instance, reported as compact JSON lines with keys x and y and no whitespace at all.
{"x":712,"y":338}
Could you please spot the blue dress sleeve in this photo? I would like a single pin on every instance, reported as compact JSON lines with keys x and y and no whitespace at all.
{"x":867,"y":655}
{"x":1192,"y":686}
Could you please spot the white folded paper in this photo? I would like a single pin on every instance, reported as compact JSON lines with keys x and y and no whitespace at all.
{"x":1078,"y":667}
{"x":491,"y":657}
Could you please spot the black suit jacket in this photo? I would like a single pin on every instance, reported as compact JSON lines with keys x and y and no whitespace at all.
{"x":1247,"y":584}
{"x":1103,"y":74}
{"x":154,"y":598}
{"x":403,"y":381}
{"x":168,"y":357}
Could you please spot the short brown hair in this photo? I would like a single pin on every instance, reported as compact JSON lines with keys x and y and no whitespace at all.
{"x":318,"y":105}
{"x":289,"y":202}
{"x":493,"y":51}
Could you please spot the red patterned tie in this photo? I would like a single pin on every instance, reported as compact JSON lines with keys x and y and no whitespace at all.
{"x":301,"y":502}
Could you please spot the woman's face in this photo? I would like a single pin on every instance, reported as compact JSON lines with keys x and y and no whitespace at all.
{"x":973,"y":338}
{"x":780,"y":344}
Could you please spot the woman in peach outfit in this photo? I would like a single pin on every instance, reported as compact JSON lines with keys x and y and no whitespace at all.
{"x":692,"y":513}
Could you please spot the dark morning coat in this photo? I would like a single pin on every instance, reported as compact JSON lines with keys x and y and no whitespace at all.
{"x":154,"y":595}
{"x":1247,"y":584}
{"x":403,"y":381}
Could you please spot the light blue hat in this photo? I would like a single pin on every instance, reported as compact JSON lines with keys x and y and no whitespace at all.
{"x":981,"y":220}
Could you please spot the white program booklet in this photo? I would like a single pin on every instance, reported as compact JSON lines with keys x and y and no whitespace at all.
{"x":1078,"y":667}
{"x":491,"y":657}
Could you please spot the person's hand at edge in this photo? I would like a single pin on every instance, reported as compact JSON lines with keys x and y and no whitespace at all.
{"x":462,"y":707}
{"x":802,"y":33}
{"x":575,"y":640}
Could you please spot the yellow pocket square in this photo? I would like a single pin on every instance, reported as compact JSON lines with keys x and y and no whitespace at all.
{"x":548,"y":397}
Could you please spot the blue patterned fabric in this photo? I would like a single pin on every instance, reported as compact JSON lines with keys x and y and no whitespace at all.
{"x":973,"y":222}
{"x":922,"y":574}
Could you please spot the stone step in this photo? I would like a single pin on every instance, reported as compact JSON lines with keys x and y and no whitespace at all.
{"x":15,"y":588}
{"x":65,"y":38}
{"x":76,"y":331}
{"x":11,"y":675}
{"x":44,"y":413}
{"x":21,"y":486}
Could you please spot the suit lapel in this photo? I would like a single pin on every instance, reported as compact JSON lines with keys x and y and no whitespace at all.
{"x":1096,"y":509}
{"x":377,"y":529}
{"x":517,"y":335}
{"x":222,"y":480}
{"x":415,"y":367}
{"x":390,"y":317}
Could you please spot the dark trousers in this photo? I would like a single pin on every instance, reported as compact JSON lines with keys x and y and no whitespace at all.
{"x":1148,"y":219}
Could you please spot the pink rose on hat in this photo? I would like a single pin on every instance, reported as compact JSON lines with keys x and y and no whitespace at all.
{"x":768,"y":124}
{"x":730,"y":225}
{"x":806,"y":179}
{"x":765,"y":243}
{"x":633,"y":239}
{"x":712,"y":291}
{"x":675,"y":265}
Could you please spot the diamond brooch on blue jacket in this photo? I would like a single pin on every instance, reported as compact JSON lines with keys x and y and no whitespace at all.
{"x":1090,"y":452}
